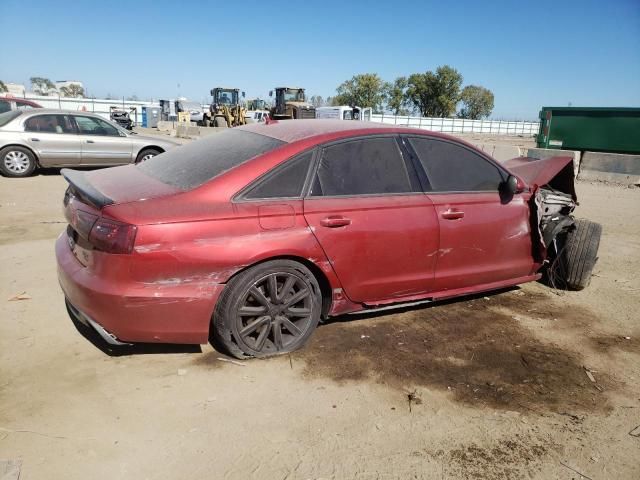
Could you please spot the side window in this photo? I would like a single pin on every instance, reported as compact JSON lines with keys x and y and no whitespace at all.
{"x":48,"y":124}
{"x":361,"y":167}
{"x":285,"y":181}
{"x":23,"y":106}
{"x":454,"y":168}
{"x":5,"y":106}
{"x":95,"y":126}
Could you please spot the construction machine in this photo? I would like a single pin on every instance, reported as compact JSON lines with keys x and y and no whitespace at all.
{"x":225,"y":109}
{"x":291,"y":104}
{"x":257,"y":104}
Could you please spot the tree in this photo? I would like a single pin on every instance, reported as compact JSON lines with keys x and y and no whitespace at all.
{"x":72,"y":90}
{"x":317,"y":101}
{"x":3,"y":87}
{"x":133,"y":98}
{"x":397,"y":100}
{"x":435,"y":94}
{"x":477,"y":102}
{"x":42,"y":86}
{"x":364,"y":90}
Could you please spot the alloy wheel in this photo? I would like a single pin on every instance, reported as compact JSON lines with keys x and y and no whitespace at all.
{"x":275,"y":313}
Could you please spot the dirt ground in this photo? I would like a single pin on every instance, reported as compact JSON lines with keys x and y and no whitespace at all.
{"x":488,"y":387}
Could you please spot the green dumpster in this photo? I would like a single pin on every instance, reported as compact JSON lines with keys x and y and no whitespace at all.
{"x":614,"y":130}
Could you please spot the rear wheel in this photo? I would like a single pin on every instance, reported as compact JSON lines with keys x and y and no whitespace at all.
{"x":220,"y":122}
{"x":577,"y":253}
{"x":269,"y":309}
{"x":146,"y":154}
{"x":17,"y":161}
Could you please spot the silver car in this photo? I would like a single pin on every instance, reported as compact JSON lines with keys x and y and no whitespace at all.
{"x":58,"y":138}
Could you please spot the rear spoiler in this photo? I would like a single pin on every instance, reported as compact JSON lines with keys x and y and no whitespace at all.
{"x":85,"y":191}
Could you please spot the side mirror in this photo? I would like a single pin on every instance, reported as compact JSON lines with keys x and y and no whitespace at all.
{"x":243,"y":95}
{"x":514,"y":185}
{"x":271,"y":93}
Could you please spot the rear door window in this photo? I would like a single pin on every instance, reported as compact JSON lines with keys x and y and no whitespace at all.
{"x":49,"y":124}
{"x":286,"y":181}
{"x":367,"y":166}
{"x":454,"y":168}
{"x":189,"y":166}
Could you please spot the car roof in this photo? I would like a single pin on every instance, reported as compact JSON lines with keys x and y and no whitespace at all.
{"x":57,"y":111}
{"x":20,"y":100}
{"x":290,"y":131}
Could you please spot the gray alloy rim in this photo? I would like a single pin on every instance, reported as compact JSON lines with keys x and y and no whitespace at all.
{"x":275,"y":312}
{"x":147,"y":157}
{"x":16,"y":161}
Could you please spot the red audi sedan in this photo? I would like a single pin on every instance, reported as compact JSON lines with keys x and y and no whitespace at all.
{"x":249,"y":237}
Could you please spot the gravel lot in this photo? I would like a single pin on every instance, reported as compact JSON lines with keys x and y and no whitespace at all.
{"x":487,"y":387}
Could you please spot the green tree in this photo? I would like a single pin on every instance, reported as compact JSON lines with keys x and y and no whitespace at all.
{"x":435,"y":94}
{"x":477,"y":102}
{"x":3,"y":87}
{"x":42,"y":86}
{"x":72,"y":90}
{"x":364,"y":90}
{"x":316,"y":101}
{"x":397,"y":100}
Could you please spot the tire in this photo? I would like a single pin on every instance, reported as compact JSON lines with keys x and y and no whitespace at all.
{"x":578,"y":255}
{"x":251,"y":320}
{"x":17,"y":161}
{"x":220,"y":122}
{"x":146,"y":154}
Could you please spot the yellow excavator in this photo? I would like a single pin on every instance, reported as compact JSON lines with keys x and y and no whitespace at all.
{"x":225,"y":109}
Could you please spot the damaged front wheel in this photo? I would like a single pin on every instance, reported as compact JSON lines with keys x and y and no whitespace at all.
{"x":574,"y":256}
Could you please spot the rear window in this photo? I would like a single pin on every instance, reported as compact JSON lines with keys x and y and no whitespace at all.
{"x":191,"y":165}
{"x":6,"y":117}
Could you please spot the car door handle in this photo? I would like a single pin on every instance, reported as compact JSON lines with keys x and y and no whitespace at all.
{"x":90,"y":141}
{"x":34,"y":139}
{"x":452,"y":214}
{"x":334,"y":222}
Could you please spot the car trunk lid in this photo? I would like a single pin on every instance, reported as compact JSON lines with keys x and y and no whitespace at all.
{"x":100,"y":188}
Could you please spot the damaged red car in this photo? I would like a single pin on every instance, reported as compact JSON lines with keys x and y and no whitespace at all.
{"x":248,"y":238}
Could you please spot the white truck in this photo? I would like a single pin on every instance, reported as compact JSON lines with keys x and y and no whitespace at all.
{"x":344,"y":112}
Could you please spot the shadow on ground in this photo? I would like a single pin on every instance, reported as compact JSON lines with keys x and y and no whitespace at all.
{"x":477,"y":349}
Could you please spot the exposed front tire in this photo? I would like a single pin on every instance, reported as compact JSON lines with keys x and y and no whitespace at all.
{"x":17,"y":161}
{"x":269,"y":309}
{"x":146,"y":154}
{"x":576,"y":256}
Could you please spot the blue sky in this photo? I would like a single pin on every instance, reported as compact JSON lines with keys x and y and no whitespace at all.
{"x":529,"y":54}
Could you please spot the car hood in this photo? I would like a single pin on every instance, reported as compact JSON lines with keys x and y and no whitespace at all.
{"x":555,"y":171}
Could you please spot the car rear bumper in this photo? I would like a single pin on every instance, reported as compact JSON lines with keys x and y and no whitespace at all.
{"x":128,"y":312}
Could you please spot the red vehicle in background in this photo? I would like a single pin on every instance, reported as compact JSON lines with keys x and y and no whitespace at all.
{"x":13,"y":103}
{"x":249,"y":237}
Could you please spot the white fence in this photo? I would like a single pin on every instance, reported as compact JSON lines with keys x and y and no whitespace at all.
{"x":461,"y":125}
{"x":445,"y":125}
{"x":99,"y":106}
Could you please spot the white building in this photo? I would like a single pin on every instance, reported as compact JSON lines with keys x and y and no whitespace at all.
{"x":15,"y":89}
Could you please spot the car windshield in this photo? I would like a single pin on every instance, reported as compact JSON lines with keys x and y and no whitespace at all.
{"x":226,"y":97}
{"x":192,"y":165}
{"x":6,"y":117}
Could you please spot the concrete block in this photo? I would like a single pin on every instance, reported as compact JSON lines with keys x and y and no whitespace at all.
{"x":165,"y":126}
{"x":610,"y":167}
{"x":185,"y":130}
{"x":542,"y":153}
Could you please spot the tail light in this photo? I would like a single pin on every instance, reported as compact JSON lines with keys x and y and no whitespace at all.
{"x":112,"y":237}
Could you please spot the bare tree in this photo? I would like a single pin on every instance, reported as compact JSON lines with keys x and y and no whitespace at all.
{"x":73,"y":90}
